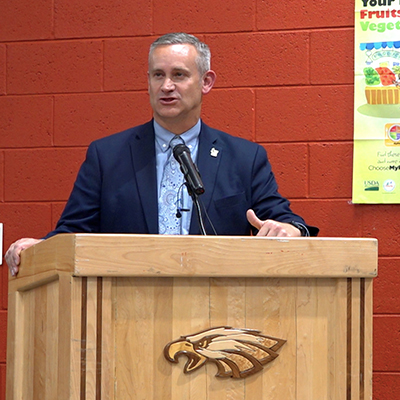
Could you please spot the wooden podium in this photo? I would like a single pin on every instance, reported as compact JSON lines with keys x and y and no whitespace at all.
{"x":89,"y":316}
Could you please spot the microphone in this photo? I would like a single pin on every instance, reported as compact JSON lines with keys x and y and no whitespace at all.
{"x":189,"y":169}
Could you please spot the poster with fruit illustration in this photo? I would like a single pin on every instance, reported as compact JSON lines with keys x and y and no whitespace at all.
{"x":376,"y":162}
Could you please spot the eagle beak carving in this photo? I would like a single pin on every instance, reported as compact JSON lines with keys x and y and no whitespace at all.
{"x":237,"y":353}
{"x":173,"y":350}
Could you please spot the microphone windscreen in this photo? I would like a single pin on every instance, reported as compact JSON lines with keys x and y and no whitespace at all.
{"x":180,"y":149}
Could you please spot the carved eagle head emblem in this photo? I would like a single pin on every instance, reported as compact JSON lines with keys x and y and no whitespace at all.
{"x":236,"y":352}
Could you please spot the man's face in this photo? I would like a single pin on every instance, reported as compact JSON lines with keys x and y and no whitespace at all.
{"x":175,"y":86}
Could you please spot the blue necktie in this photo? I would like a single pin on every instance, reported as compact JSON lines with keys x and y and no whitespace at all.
{"x":171,"y":182}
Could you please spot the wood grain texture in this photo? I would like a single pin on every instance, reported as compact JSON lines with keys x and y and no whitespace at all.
{"x":102,"y":337}
{"x":108,"y":340}
{"x":207,"y":256}
{"x":368,"y":310}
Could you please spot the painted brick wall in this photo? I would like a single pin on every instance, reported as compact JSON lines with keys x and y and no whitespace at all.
{"x":72,"y":71}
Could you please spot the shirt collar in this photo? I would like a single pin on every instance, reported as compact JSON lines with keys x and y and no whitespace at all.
{"x":163,"y":136}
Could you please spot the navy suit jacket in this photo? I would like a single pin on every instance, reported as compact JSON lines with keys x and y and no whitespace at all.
{"x":116,"y":191}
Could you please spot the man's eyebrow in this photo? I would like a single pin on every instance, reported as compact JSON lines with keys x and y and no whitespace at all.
{"x":181,"y":69}
{"x":175,"y":69}
{"x":156,"y":71}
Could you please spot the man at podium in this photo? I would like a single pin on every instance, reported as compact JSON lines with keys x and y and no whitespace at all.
{"x":132,"y":182}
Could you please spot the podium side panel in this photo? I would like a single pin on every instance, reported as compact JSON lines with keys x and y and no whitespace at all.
{"x":45,"y":342}
{"x":34,"y":343}
{"x":12,"y":354}
{"x":18,"y":337}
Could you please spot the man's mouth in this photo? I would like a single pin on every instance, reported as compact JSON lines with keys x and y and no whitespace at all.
{"x":168,"y":100}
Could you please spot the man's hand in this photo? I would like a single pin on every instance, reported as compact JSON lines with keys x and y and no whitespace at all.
{"x":13,"y":253}
{"x":272,"y":228}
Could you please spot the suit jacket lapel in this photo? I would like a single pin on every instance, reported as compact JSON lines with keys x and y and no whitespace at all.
{"x":144,"y":165}
{"x":208,"y":161}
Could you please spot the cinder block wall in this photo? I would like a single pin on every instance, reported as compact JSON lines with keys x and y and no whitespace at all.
{"x":72,"y":71}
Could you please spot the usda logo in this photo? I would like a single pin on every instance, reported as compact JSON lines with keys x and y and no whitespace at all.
{"x":371,"y":186}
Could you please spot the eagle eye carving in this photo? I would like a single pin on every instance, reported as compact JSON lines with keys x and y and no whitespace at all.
{"x":237,"y":353}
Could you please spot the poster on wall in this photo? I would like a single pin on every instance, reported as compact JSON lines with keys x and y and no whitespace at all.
{"x":376,"y":165}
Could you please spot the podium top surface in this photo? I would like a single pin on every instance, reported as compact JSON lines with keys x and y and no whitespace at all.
{"x":132,"y":255}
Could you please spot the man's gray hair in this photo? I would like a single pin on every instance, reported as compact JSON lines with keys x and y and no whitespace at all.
{"x":203,"y":59}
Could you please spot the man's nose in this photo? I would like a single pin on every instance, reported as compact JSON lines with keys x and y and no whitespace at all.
{"x":168,"y":85}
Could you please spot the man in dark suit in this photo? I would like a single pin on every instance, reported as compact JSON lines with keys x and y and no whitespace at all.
{"x":118,"y":188}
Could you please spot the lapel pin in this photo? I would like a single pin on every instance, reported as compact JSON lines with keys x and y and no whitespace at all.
{"x":214,"y":152}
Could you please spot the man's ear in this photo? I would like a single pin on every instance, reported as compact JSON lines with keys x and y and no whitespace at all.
{"x":208,"y":81}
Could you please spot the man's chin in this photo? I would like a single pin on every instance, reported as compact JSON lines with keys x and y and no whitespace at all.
{"x":168,"y":113}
